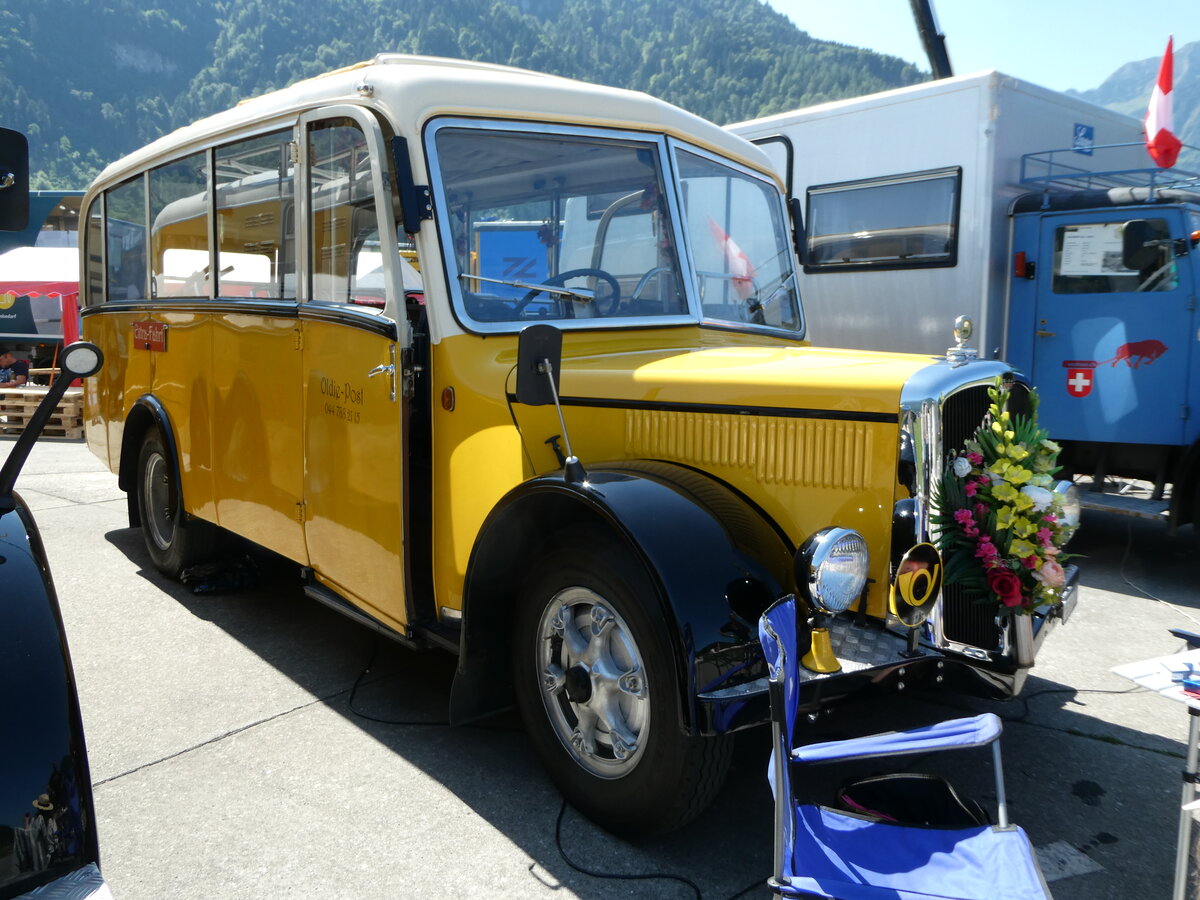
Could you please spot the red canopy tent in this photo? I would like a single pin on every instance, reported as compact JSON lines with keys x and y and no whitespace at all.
{"x":42,"y":272}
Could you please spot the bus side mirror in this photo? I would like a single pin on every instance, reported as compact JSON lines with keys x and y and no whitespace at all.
{"x":538,"y":346}
{"x":81,"y":359}
{"x":1140,"y":242}
{"x":14,"y":180}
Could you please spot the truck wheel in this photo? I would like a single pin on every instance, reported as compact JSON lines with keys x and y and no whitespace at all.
{"x":173,"y":539}
{"x":599,"y":695}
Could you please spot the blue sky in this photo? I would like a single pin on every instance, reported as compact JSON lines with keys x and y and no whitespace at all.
{"x":1058,"y":44}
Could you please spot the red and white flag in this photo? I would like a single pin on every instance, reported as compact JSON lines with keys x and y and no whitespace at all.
{"x":737,"y":263}
{"x":1160,"y":139}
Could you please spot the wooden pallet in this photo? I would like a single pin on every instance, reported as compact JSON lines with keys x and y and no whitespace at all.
{"x":17,"y":406}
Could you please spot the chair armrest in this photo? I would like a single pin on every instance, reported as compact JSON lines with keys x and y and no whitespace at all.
{"x":953,"y":734}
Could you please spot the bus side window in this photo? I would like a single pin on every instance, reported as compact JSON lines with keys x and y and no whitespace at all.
{"x":93,"y":283}
{"x":125,"y":236}
{"x":256,"y":218}
{"x":344,"y":227}
{"x":179,"y":228}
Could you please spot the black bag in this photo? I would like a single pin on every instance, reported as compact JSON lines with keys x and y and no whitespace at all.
{"x":910,"y":798}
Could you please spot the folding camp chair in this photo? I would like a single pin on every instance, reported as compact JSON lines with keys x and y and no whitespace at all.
{"x":825,"y":852}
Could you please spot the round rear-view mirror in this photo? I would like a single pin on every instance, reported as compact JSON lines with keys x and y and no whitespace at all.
{"x":81,"y":359}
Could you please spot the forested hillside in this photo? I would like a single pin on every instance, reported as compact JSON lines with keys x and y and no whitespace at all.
{"x":90,"y":80}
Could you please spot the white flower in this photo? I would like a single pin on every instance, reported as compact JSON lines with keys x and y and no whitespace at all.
{"x":962,"y":467}
{"x":1041,"y":497}
{"x":1041,"y":481}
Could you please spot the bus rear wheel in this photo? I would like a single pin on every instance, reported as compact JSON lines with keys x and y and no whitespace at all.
{"x":173,"y":539}
{"x":599,"y":695}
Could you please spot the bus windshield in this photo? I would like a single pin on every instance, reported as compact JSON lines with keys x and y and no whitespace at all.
{"x":578,"y":226}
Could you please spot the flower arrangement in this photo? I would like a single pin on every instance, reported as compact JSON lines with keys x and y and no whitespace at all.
{"x":1001,"y":524}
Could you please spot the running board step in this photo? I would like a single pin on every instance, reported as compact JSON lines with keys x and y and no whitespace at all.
{"x":337,"y":602}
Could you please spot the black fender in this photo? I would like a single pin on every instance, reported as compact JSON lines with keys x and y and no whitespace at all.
{"x":147,"y":412}
{"x":46,"y":753}
{"x":716,"y":561}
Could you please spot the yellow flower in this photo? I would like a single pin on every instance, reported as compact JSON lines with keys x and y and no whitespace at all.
{"x":1016,"y":451}
{"x":1004,"y":518}
{"x":1017,"y":475}
{"x":1022,"y":549}
{"x":1022,"y":502}
{"x":1005,"y":492}
{"x":1000,"y":466}
{"x":1022,"y":527}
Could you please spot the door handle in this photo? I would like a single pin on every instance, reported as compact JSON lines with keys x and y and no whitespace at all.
{"x":1041,"y":333}
{"x":388,"y":369}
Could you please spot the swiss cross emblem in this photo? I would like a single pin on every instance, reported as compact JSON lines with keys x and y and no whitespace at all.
{"x":1080,"y":376}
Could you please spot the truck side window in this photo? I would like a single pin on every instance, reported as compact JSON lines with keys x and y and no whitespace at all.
{"x":900,"y":221}
{"x":1088,"y":260}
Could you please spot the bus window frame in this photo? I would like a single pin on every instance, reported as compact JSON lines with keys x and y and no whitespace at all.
{"x":372,"y":125}
{"x":381,"y":181}
{"x":519,"y":127}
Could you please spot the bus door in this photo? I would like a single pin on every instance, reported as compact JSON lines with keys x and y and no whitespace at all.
{"x":255,"y":367}
{"x":1112,"y":344}
{"x":354,"y":441}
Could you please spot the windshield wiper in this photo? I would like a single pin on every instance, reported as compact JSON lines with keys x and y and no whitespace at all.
{"x":581,"y":294}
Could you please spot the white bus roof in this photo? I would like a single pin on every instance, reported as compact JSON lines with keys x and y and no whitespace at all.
{"x":410,"y":90}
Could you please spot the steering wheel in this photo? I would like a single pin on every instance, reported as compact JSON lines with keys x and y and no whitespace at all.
{"x":560,"y":280}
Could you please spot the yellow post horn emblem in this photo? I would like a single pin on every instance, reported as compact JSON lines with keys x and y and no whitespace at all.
{"x":917,"y":584}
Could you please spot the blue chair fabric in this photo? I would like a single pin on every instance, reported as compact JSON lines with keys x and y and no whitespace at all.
{"x":823,"y":852}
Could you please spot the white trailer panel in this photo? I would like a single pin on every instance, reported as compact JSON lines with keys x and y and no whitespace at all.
{"x":972,"y":130}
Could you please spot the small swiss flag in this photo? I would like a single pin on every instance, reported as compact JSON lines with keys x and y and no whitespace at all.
{"x":1161,"y":141}
{"x":1079,"y":382}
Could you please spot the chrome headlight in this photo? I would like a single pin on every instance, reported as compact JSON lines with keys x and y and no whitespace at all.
{"x":1067,"y":499}
{"x":831,"y":568}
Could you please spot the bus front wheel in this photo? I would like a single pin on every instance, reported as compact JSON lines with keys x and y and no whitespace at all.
{"x":173,"y":539}
{"x":599,"y":695}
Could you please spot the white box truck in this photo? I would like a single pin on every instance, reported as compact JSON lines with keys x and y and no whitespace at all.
{"x":1078,"y":264}
{"x":917,"y":182}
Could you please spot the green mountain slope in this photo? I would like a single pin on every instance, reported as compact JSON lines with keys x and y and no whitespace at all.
{"x":93,"y":79}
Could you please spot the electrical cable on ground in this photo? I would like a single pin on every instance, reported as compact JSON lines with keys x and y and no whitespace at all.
{"x":1142,"y":590}
{"x":442,"y":723}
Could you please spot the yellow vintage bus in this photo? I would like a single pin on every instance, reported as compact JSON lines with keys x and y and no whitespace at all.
{"x":517,"y":366}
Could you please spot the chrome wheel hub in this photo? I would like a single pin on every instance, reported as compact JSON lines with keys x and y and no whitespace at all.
{"x":156,"y":488}
{"x":593,"y":682}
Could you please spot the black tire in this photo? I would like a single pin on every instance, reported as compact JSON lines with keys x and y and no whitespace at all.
{"x":173,"y":539}
{"x":618,"y":680}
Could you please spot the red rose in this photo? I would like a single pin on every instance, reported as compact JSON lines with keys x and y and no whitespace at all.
{"x":1005,"y":585}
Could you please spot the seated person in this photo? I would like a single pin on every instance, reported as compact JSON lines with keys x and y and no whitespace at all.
{"x":13,"y":372}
